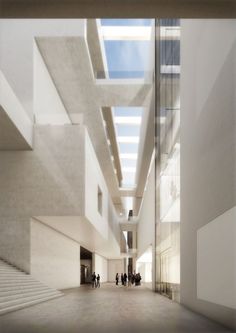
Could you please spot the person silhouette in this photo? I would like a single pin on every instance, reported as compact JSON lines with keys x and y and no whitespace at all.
{"x":117,"y":279}
{"x":93,"y":280}
{"x":98,"y":281}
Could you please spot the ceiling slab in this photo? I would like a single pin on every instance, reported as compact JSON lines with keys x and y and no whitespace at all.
{"x":117,"y":8}
{"x":79,"y":229}
{"x":10,"y":136}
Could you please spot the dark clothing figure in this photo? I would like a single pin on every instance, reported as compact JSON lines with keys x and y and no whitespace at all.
{"x":122,"y":279}
{"x":93,"y":280}
{"x":132,"y":278}
{"x":98,"y":281}
{"x":129,"y":279}
{"x":125,"y":279}
{"x":117,"y":279}
{"x":138,"y":279}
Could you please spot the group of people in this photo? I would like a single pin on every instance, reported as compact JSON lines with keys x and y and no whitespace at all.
{"x":95,"y":280}
{"x":132,"y":278}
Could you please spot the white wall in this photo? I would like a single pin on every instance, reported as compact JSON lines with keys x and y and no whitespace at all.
{"x":11,"y":105}
{"x":145,"y":270}
{"x":146,"y":218}
{"x":55,"y":258}
{"x":101,"y":267}
{"x":208,"y":173}
{"x":216,"y":260}
{"x":16,"y":52}
{"x":115,"y":266}
{"x":48,"y":107}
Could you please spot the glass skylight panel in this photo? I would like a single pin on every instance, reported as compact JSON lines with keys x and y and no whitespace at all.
{"x":129,"y":111}
{"x":129,"y":179}
{"x":127,"y":122}
{"x":128,"y":139}
{"x":125,"y":22}
{"x":128,"y":163}
{"x":126,"y":33}
{"x":128,"y":156}
{"x":127,"y":44}
{"x":126,"y":59}
{"x":127,"y":47}
{"x":124,"y":129}
{"x":128,"y":148}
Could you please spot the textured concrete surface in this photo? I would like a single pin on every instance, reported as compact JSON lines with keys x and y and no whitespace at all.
{"x":10,"y":136}
{"x":108,"y":309}
{"x":83,"y":95}
{"x":47,"y":181}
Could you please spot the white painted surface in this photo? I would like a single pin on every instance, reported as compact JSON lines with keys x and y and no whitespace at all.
{"x":146,"y":218}
{"x":48,"y":107}
{"x":145,"y":270}
{"x":115,"y":266}
{"x":16,"y":52}
{"x":216,"y":260}
{"x":144,"y":265}
{"x":15,"y":111}
{"x":101,"y":267}
{"x":55,"y":259}
{"x":94,"y":179}
{"x":208,"y":173}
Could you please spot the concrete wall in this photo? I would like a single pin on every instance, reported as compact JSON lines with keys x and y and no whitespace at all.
{"x":208,"y":173}
{"x":93,"y":180}
{"x":55,"y":258}
{"x":20,"y":134}
{"x":48,"y":181}
{"x":115,"y":266}
{"x":101,"y":267}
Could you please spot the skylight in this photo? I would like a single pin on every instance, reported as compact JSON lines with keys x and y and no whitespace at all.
{"x":128,"y":137}
{"x":127,"y":47}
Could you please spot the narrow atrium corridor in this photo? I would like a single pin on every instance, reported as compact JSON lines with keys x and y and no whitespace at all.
{"x":117,"y":165}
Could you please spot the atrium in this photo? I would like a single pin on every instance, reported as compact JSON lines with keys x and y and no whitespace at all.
{"x":117,"y":155}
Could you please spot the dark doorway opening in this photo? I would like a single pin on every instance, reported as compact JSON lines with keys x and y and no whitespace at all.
{"x":85,"y":265}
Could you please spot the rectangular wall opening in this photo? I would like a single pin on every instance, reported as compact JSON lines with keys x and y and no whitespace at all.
{"x":99,"y":201}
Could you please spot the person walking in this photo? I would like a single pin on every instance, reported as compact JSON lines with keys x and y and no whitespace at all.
{"x":117,"y":279}
{"x":129,"y":279}
{"x":125,"y":279}
{"x":132,"y":278}
{"x":122,"y":279}
{"x":93,"y":280}
{"x":98,"y":281}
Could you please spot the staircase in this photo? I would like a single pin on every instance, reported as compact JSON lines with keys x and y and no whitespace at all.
{"x":19,"y":290}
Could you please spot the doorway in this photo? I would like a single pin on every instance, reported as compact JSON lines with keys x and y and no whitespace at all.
{"x":85,"y":266}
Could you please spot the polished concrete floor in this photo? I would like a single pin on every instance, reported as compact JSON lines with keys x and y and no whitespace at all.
{"x":108,"y":309}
